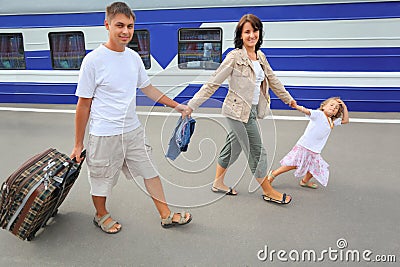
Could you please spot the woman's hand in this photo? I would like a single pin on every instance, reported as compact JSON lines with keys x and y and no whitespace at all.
{"x":186,"y":111}
{"x":293,"y":104}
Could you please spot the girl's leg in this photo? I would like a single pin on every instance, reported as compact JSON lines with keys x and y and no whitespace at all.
{"x":307,"y":177}
{"x":305,"y":182}
{"x":282,"y":169}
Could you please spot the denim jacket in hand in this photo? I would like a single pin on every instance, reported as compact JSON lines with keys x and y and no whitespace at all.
{"x":181,"y":137}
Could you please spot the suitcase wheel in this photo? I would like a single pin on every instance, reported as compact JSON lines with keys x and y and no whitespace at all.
{"x":49,"y":221}
{"x":54,"y":213}
{"x":35,"y":234}
{"x":32,"y":235}
{"x":51,"y":218}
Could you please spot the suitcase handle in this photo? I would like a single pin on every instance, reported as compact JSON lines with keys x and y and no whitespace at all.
{"x":83,"y":155}
{"x":68,"y":164}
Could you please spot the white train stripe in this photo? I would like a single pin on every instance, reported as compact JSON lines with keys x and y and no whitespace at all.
{"x":286,"y":34}
{"x":197,"y":115}
{"x":163,"y":78}
{"x":323,"y":34}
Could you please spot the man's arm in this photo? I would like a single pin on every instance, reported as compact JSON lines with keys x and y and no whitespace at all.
{"x":156,"y":95}
{"x":81,"y":119}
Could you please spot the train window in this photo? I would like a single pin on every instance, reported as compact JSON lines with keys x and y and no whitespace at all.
{"x":141,"y":44}
{"x":199,"y":48}
{"x":12,"y":55}
{"x":67,"y":50}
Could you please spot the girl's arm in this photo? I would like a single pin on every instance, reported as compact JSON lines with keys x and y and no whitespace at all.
{"x":345,"y":118}
{"x":303,"y":109}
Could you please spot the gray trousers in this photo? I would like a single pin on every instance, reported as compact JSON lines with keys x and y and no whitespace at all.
{"x":246,"y":137}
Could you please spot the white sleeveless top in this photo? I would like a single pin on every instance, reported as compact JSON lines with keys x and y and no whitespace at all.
{"x":259,"y":78}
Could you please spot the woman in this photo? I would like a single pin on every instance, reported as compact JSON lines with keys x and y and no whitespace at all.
{"x":249,"y":75}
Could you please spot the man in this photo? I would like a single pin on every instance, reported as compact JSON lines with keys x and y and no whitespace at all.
{"x":106,"y":89}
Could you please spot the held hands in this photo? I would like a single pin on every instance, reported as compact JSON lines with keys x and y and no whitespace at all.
{"x":293,"y":104}
{"x":186,"y":111}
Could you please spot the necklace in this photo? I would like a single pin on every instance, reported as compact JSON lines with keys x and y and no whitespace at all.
{"x":252,"y":56}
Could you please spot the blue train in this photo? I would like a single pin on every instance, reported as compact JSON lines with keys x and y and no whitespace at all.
{"x":318,"y":49}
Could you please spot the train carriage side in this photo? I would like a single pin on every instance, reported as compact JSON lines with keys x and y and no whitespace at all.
{"x":317,"y":50}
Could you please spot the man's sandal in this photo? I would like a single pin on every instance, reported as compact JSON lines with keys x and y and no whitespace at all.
{"x":308,"y":184}
{"x":106,"y":228}
{"x":167,"y":222}
{"x":270,"y":177}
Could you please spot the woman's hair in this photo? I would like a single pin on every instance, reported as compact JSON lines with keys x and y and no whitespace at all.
{"x":118,"y":8}
{"x":255,"y":23}
{"x":340,"y":111}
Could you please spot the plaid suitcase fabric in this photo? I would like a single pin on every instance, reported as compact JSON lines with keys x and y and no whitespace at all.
{"x":47,"y":199}
{"x":11,"y":194}
{"x":44,"y":204}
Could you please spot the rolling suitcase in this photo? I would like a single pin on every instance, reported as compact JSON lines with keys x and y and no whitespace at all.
{"x":32,"y":194}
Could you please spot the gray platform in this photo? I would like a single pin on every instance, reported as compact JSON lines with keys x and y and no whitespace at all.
{"x":359,"y":207}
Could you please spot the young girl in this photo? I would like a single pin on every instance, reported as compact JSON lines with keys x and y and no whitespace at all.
{"x":305,"y":156}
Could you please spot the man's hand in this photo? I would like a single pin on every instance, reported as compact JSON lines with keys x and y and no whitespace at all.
{"x":186,"y":111}
{"x":76,"y":153}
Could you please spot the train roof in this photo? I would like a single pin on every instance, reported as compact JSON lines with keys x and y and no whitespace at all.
{"x":16,"y":7}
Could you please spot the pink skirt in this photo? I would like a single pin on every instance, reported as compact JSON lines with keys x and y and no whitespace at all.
{"x":307,"y":161}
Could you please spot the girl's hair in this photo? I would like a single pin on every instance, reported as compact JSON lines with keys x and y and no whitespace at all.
{"x":255,"y":23}
{"x":340,"y":111}
{"x":118,"y":8}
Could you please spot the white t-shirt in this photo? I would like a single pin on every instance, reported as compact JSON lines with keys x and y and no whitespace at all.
{"x":259,"y":78}
{"x":111,"y":79}
{"x":317,"y":132}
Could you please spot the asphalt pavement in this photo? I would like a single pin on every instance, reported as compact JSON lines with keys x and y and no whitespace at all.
{"x":354,"y":221}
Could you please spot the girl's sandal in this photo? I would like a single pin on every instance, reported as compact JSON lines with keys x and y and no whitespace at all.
{"x":309,"y":184}
{"x":270,"y":177}
{"x":167,"y":222}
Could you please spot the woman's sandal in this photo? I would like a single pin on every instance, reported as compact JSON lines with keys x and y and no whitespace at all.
{"x":229,"y":192}
{"x":270,"y":177}
{"x":106,"y":228}
{"x":167,"y":222}
{"x":308,"y":184}
{"x":277,"y":201}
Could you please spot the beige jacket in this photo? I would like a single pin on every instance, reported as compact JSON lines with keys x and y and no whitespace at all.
{"x":238,"y":69}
